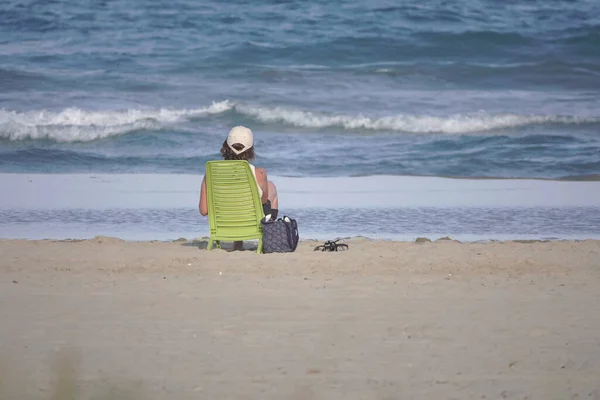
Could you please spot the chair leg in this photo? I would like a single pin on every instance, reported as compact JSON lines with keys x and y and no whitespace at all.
{"x":259,"y":249}
{"x":209,"y":245}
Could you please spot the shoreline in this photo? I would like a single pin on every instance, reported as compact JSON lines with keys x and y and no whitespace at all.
{"x":16,"y":251}
{"x":310,"y":240}
{"x":102,"y":191}
{"x":567,"y":178}
{"x":146,"y":207}
{"x":320,"y":238}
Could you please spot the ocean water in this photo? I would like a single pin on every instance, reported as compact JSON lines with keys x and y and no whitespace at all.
{"x":473,"y":89}
{"x":163,"y":207}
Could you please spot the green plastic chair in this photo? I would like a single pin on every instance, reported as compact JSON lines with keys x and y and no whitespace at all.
{"x":234,"y":207}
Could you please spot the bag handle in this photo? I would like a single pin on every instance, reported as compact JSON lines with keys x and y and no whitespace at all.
{"x":291,"y":228}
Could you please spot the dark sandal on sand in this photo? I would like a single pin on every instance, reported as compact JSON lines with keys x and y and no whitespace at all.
{"x":332,"y":246}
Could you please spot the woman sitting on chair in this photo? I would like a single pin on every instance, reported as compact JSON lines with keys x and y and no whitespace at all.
{"x":239,"y":145}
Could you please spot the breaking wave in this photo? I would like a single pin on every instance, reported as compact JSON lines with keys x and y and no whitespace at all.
{"x":454,"y":124}
{"x":76,"y":125}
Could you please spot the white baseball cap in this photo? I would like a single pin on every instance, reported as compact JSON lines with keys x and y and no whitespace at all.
{"x":241,"y":135}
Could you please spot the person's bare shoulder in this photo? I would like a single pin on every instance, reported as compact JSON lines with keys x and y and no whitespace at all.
{"x":261,"y":178}
{"x":260,"y":171}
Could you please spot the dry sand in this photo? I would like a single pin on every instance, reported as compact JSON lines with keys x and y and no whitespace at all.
{"x":384,"y":320}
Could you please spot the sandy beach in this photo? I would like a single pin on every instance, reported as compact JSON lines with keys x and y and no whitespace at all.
{"x":106,"y":318}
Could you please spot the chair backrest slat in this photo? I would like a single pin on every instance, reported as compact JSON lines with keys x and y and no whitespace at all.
{"x":234,"y":207}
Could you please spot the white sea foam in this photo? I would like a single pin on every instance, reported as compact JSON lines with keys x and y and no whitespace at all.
{"x":454,"y":124}
{"x":74,"y":124}
{"x":63,"y":206}
{"x":102,"y":191}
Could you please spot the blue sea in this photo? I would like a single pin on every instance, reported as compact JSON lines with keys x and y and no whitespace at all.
{"x":337,"y":93}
